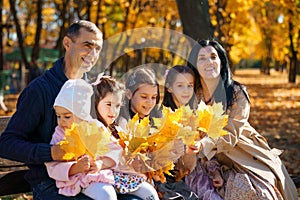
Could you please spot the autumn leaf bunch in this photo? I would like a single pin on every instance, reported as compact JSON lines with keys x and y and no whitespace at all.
{"x":147,"y":149}
{"x":85,"y":138}
{"x":149,"y":153}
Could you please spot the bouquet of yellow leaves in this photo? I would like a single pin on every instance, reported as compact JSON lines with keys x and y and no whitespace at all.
{"x":208,"y":119}
{"x":212,"y":119}
{"x":152,"y":146}
{"x":148,"y":149}
{"x":85,"y":138}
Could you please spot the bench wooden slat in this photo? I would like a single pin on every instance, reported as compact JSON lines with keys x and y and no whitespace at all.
{"x":5,"y":164}
{"x":14,"y":183}
{"x":12,"y":173}
{"x":3,"y":123}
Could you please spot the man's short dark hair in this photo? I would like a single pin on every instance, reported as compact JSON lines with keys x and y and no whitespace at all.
{"x":73,"y":30}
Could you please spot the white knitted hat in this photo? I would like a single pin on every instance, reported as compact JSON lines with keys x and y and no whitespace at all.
{"x":75,"y":96}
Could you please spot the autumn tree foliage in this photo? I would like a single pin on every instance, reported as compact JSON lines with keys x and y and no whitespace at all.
{"x":233,"y":27}
{"x":251,"y":29}
{"x":255,"y":29}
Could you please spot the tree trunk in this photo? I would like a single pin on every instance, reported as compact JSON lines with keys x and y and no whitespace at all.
{"x":221,"y":6}
{"x":19,"y":31}
{"x":88,"y":10}
{"x":62,"y":31}
{"x":293,"y":59}
{"x":98,"y":13}
{"x":195,"y":18}
{"x":36,"y":47}
{"x":1,"y":41}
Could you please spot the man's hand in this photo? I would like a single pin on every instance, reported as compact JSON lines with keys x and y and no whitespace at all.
{"x":57,"y":153}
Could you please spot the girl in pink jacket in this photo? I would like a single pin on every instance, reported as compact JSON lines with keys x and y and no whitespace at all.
{"x":93,"y":178}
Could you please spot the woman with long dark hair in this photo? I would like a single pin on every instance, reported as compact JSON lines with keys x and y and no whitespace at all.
{"x":251,"y":169}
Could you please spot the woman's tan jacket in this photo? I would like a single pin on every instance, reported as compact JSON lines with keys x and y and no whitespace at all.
{"x":245,"y":147}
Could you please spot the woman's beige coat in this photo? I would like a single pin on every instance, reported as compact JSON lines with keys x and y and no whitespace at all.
{"x":245,"y":147}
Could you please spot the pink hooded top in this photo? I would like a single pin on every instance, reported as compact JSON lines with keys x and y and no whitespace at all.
{"x":72,"y":185}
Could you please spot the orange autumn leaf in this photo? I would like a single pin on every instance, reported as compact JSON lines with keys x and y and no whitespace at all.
{"x":204,"y":117}
{"x":159,"y":175}
{"x":160,"y":163}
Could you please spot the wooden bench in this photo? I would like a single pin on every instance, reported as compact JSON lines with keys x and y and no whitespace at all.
{"x":12,"y":173}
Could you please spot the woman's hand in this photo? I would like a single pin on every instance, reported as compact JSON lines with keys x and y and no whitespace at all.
{"x":217,"y":179}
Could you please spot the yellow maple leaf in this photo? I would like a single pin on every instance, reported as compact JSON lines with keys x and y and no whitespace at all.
{"x":186,"y":116}
{"x":85,"y":138}
{"x":131,"y":127}
{"x":212,"y":119}
{"x":189,"y":120}
{"x":72,"y":144}
{"x":95,"y":139}
{"x":167,"y":126}
{"x":181,"y":123}
{"x":187,"y":135}
{"x":143,"y":128}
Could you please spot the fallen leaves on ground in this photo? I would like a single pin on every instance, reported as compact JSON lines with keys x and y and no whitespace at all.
{"x":275,"y":112}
